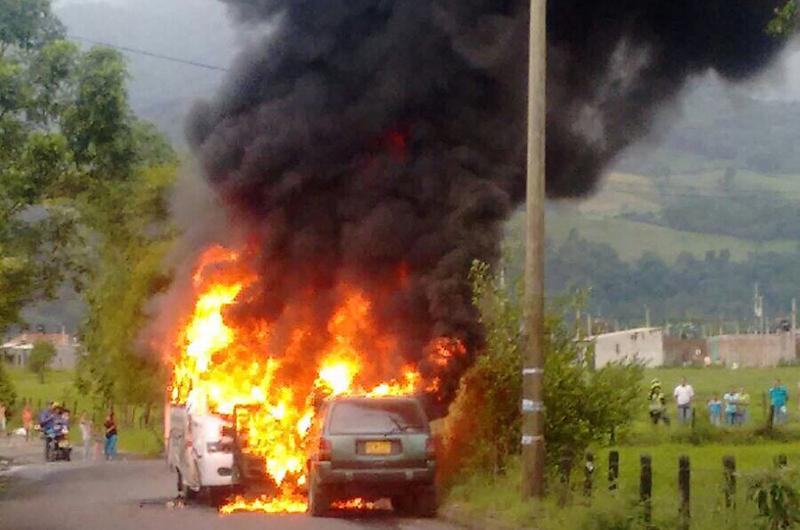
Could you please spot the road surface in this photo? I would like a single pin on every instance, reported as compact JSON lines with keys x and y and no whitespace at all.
{"x":135,"y":495}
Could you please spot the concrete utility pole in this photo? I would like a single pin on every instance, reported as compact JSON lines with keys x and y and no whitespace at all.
{"x":533,"y":449}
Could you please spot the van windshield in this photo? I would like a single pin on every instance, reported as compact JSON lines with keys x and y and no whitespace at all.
{"x":376,"y":417}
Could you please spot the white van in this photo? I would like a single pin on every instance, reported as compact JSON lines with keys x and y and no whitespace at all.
{"x":201,"y":450}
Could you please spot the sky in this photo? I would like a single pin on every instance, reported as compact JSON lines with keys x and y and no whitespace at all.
{"x":782,"y":81}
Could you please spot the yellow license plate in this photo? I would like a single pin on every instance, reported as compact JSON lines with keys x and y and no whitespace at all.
{"x":378,"y":448}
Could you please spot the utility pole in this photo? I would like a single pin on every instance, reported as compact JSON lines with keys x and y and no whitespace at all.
{"x":533,"y":449}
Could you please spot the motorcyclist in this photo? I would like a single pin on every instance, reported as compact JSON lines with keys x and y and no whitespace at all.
{"x":47,"y":417}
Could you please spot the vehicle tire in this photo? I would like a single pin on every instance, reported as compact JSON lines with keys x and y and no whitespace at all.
{"x":403,"y":504}
{"x":319,"y":502}
{"x":192,"y":495}
{"x":426,"y":503}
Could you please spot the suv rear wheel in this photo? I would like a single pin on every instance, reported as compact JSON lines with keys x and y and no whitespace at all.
{"x":426,"y":503}
{"x":319,"y":501}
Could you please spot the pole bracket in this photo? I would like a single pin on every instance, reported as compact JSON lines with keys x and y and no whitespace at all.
{"x":528,"y":439}
{"x":529,"y":405}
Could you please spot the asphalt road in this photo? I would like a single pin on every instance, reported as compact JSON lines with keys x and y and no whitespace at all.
{"x":135,"y":495}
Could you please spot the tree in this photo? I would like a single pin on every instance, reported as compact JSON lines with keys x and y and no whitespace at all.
{"x":71,"y":150}
{"x":8,"y":394}
{"x":583,"y":405}
{"x":786,"y":19}
{"x":41,"y":356}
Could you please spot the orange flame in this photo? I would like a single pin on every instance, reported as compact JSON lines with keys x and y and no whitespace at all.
{"x":221,"y":364}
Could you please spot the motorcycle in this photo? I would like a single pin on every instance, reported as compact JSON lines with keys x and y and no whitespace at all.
{"x":57,"y":446}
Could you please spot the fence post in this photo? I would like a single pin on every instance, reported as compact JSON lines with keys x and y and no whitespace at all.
{"x":566,"y":471}
{"x":613,"y":470}
{"x":771,"y":418}
{"x":684,"y":482}
{"x":694,"y":421}
{"x":729,"y":471}
{"x":781,"y":461}
{"x":646,"y":487}
{"x":588,"y":474}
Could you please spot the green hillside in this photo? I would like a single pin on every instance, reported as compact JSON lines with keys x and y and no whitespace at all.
{"x":616,"y":214}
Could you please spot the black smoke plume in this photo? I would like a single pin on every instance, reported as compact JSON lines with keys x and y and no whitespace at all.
{"x":364,"y":141}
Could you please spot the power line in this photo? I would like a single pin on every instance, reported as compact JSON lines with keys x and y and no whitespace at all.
{"x":146,"y":53}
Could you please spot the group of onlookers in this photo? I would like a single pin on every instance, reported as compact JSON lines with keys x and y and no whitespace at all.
{"x":56,"y":415}
{"x":732,"y":409}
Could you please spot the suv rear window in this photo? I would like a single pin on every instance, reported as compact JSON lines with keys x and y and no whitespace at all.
{"x":376,"y":417}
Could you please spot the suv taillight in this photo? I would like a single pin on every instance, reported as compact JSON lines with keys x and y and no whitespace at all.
{"x":325,"y":450}
{"x":430,"y":449}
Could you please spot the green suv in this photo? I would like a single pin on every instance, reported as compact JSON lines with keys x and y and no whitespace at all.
{"x":373,"y":448}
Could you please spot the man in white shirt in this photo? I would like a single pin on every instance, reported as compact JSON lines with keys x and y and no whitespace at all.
{"x":683,"y":397}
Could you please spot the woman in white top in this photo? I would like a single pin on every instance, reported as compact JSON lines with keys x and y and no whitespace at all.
{"x":86,"y":436}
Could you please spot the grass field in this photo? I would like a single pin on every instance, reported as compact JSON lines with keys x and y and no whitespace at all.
{"x":496,"y":499}
{"x":709,"y":381}
{"x":599,"y":217}
{"x":60,"y":386}
{"x":631,"y":239}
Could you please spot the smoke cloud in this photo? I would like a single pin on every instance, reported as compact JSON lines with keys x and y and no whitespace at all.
{"x":381,"y":142}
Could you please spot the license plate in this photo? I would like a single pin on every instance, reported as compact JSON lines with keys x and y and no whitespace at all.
{"x":378,"y":448}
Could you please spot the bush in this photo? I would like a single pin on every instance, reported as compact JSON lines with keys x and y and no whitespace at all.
{"x":8,"y":394}
{"x":775,"y":494}
{"x":583,"y":406}
{"x":41,"y":356}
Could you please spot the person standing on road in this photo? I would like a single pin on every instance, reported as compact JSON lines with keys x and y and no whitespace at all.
{"x":778,"y":397}
{"x":86,"y":436}
{"x":2,"y":418}
{"x":683,"y":397}
{"x":27,"y":420}
{"x":111,"y":436}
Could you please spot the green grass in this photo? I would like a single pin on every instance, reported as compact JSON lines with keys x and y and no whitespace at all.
{"x":60,"y":386}
{"x":709,"y":381}
{"x":599,"y":217}
{"x":631,"y":239}
{"x":486,"y":501}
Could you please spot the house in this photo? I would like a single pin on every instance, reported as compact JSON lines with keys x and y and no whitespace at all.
{"x":16,"y":350}
{"x":645,"y":344}
{"x":752,"y":350}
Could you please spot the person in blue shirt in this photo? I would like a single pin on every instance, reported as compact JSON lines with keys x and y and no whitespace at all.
{"x":715,"y":411}
{"x":47,"y":417}
{"x":731,"y":400}
{"x":779,"y":397}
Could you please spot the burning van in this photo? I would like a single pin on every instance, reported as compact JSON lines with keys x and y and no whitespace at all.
{"x":200,"y":449}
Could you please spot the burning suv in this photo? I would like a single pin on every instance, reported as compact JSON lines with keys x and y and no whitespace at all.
{"x":372,"y":448}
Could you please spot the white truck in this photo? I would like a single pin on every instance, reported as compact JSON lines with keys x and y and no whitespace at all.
{"x":200,"y":449}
